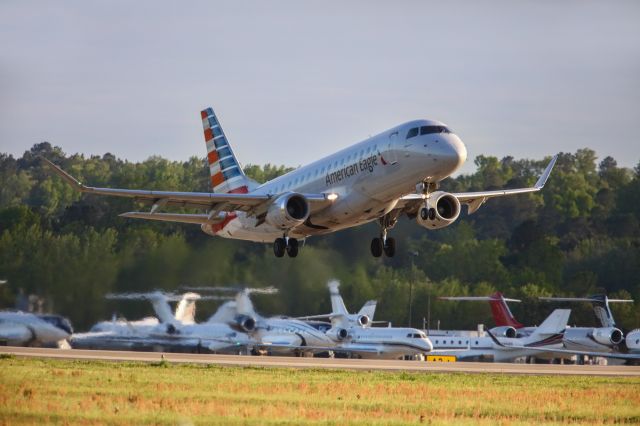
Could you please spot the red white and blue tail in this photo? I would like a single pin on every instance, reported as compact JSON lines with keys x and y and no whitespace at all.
{"x":226,"y":174}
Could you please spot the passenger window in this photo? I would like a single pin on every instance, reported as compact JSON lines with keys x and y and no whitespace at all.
{"x":368,"y":149}
{"x":412,"y":133}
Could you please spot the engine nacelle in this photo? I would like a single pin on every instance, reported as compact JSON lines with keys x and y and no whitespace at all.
{"x":245,"y":322}
{"x":338,"y":334}
{"x":504,"y":331}
{"x":633,"y":340}
{"x":441,"y":209}
{"x":364,"y":320}
{"x":608,"y":335}
{"x":288,"y":211}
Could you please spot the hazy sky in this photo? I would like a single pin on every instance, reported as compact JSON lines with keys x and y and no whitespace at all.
{"x":292,"y":81}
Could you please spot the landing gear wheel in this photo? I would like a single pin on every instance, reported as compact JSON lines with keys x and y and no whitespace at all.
{"x":292,"y":247}
{"x":424,"y":213}
{"x":376,"y":247}
{"x":279,"y":246}
{"x":390,"y":247}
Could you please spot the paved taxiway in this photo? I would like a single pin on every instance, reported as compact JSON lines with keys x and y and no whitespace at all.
{"x":335,"y":363}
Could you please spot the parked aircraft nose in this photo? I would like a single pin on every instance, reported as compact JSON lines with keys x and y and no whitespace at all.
{"x":428,"y":345}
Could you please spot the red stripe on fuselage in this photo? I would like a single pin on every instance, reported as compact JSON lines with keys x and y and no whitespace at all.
{"x":240,"y":190}
{"x":220,"y":226}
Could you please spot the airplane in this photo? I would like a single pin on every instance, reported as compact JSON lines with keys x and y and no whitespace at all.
{"x":596,"y":339}
{"x":27,"y":329}
{"x":354,"y":335}
{"x":278,"y":334}
{"x":169,"y":332}
{"x":504,"y":349}
{"x":393,"y":173}
{"x":517,"y":348}
{"x":593,"y":339}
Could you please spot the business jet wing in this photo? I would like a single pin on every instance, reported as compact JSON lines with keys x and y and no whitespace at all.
{"x":266,"y":345}
{"x":616,"y":355}
{"x":474,"y":200}
{"x":213,"y":201}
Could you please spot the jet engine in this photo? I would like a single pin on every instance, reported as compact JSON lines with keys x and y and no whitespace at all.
{"x":608,"y":335}
{"x":633,"y":340}
{"x":595,"y":338}
{"x":364,"y":320}
{"x":338,"y":334}
{"x":441,"y":209}
{"x":288,"y":211}
{"x":504,"y":331}
{"x":245,"y":322}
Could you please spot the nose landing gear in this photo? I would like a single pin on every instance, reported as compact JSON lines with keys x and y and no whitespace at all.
{"x":285,"y":244}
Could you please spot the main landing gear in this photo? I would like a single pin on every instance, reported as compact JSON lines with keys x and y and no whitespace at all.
{"x":383,"y":243}
{"x":282,"y":245}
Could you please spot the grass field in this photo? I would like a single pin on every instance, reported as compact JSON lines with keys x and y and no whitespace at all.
{"x":35,"y":391}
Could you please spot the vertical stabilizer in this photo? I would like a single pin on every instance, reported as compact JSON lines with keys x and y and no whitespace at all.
{"x":554,"y":324}
{"x":244,"y":305}
{"x":368,"y":309}
{"x":226,"y":174}
{"x":161,"y":307}
{"x":337,"y":304}
{"x":186,"y":308}
{"x":502,"y":315}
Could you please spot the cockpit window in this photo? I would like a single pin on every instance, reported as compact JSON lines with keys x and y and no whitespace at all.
{"x":414,"y":336}
{"x":412,"y":133}
{"x":427,"y":130}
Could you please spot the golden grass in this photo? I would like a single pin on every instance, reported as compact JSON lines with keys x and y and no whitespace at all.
{"x":82,"y":392}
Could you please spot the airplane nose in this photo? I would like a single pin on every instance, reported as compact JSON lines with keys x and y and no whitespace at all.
{"x":428,"y":344}
{"x":458,"y":152}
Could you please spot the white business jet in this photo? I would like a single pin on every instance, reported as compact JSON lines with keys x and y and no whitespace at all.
{"x":393,"y":173}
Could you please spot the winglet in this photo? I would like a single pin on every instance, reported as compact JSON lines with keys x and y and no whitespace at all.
{"x":545,"y":175}
{"x":64,"y":175}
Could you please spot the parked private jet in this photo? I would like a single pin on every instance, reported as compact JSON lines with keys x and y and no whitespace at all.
{"x":504,"y":349}
{"x":27,"y":329}
{"x":168,"y":332}
{"x":606,"y":338}
{"x":353,"y":335}
{"x":393,"y":173}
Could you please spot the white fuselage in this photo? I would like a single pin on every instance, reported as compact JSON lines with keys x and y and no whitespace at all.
{"x":282,"y":332}
{"x":368,"y":179}
{"x":465,"y":347}
{"x":21,"y":328}
{"x":384,"y":342}
{"x":145,"y":335}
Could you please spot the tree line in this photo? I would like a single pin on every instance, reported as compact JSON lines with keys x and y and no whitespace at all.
{"x":579,"y":236}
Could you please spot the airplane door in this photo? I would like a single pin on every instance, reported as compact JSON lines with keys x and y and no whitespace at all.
{"x":392,"y":150}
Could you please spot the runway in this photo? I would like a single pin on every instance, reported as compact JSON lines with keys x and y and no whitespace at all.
{"x":328,"y":363}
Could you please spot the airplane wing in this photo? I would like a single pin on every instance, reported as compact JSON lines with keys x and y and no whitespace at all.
{"x":615,"y":355}
{"x":218,"y":202}
{"x":474,"y":200}
{"x":315,"y":348}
